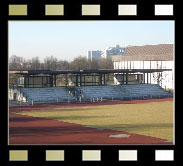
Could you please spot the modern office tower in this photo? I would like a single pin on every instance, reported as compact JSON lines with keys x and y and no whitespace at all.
{"x":94,"y":55}
{"x":110,"y":51}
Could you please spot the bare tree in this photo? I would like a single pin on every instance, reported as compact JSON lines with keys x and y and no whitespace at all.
{"x":16,"y":63}
{"x":157,"y":77}
{"x":79,"y":63}
{"x":50,"y":63}
{"x":35,"y":63}
{"x":94,"y":64}
{"x":63,"y":65}
{"x":106,"y":63}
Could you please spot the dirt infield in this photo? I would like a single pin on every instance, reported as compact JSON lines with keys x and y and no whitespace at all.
{"x":25,"y":129}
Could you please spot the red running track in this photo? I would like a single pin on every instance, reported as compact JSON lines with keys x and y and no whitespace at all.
{"x":70,"y":105}
{"x":33,"y":130}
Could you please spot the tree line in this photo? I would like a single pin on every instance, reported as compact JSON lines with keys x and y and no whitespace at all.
{"x":52,"y":63}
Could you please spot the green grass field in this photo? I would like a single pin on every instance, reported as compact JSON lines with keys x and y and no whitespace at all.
{"x":150,"y":119}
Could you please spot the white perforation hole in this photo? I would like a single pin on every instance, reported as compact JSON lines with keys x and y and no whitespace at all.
{"x":91,"y":155}
{"x":88,"y":10}
{"x":164,"y":155}
{"x":163,"y":10}
{"x":127,"y":155}
{"x":127,"y":10}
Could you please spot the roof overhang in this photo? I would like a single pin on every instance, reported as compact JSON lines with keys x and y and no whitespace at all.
{"x":100,"y":71}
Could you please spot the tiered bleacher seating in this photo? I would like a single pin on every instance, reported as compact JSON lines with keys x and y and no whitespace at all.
{"x":107,"y":92}
{"x":47,"y":94}
{"x":135,"y":91}
{"x":149,"y":90}
{"x":123,"y":91}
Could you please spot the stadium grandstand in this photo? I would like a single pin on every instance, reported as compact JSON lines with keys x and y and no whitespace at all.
{"x":142,"y":72}
{"x":41,"y":86}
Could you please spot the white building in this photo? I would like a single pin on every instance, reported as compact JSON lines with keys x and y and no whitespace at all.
{"x":149,"y":57}
{"x":110,"y":51}
{"x":94,"y":55}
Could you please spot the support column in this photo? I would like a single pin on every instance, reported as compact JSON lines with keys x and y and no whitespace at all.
{"x":42,"y":84}
{"x":92,"y":79}
{"x":138,"y":78}
{"x":150,"y":77}
{"x":28,"y":81}
{"x":100,"y":79}
{"x":66,"y":80}
{"x":147,"y":78}
{"x":80,"y":79}
{"x":123,"y":82}
{"x":84,"y":80}
{"x":25,"y":81}
{"x":47,"y":82}
{"x":126,"y":78}
{"x":55,"y":80}
{"x":33,"y":81}
{"x":51,"y":81}
{"x":77,"y":80}
{"x":104,"y":79}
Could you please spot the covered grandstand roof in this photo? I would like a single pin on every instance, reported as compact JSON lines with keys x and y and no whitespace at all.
{"x":100,"y":71}
{"x":147,"y":53}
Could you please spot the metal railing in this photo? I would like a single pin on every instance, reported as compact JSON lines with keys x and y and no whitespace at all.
{"x":58,"y":101}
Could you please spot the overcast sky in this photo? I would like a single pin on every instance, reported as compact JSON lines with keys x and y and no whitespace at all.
{"x":68,"y":39}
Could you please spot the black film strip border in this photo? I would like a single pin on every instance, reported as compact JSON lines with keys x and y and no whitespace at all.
{"x":108,"y":9}
{"x":73,"y":154}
